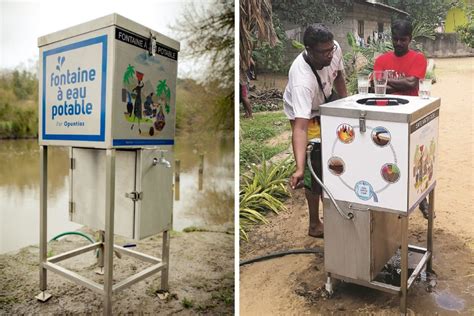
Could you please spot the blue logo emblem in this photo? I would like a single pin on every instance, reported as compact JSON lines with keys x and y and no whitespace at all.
{"x":364,"y":191}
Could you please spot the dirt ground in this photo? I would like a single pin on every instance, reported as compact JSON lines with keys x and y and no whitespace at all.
{"x":292,"y":285}
{"x":201,"y":278}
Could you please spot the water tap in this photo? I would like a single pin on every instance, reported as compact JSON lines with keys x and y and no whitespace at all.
{"x":161,"y":161}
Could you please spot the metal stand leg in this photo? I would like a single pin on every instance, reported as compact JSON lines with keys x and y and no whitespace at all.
{"x":328,"y":285}
{"x":404,"y":266}
{"x":109,"y":229}
{"x":429,"y":246}
{"x":166,"y":260}
{"x":100,"y":259}
{"x":43,"y":242}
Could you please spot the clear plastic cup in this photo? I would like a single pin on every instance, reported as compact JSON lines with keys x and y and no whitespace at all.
{"x":380,"y":82}
{"x":363,"y":84}
{"x":424,"y":88}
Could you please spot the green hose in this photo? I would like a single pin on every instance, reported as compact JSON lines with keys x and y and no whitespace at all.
{"x":74,"y":233}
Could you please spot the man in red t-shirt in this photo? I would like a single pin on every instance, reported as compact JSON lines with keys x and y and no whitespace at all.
{"x":408,"y":65}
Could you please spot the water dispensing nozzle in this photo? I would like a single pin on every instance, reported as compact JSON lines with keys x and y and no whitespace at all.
{"x":162,"y":160}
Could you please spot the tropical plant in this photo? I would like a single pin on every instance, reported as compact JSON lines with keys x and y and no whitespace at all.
{"x":129,"y":73}
{"x":466,"y":32}
{"x":307,"y":12}
{"x":255,"y":23}
{"x":271,"y":58}
{"x":263,"y":190}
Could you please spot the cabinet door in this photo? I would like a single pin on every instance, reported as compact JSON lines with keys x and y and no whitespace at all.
{"x":88,"y":189}
{"x":154,"y":210}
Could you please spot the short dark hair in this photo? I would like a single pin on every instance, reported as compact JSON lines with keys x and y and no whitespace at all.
{"x":317,"y":33}
{"x":402,"y":27}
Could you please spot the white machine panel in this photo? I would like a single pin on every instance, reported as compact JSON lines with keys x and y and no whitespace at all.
{"x":369,"y":161}
{"x":107,"y":83}
{"x":391,"y":165}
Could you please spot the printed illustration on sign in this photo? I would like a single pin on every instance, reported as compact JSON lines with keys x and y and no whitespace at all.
{"x":381,"y":136}
{"x":144,"y":104}
{"x":345,"y":133}
{"x":423,"y":165}
{"x":336,"y":166}
{"x":389,"y":171}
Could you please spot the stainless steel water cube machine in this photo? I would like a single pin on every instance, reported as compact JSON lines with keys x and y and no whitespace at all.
{"x":107,"y":90}
{"x":379,"y":163}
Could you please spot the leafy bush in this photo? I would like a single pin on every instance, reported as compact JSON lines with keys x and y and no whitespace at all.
{"x":269,"y":58}
{"x":263,"y":190}
{"x":466,"y":34}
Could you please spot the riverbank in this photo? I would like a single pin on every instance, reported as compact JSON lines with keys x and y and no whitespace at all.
{"x":201,"y":278}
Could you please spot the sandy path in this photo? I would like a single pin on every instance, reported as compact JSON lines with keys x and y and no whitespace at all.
{"x":292,"y":285}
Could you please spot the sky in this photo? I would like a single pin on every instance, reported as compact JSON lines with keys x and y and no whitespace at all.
{"x":23,"y":21}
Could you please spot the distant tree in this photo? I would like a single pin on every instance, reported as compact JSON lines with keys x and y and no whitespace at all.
{"x":307,"y":12}
{"x":429,"y":13}
{"x":466,"y":32}
{"x":24,"y":84}
{"x":271,"y":58}
{"x":255,"y":24}
{"x":209,"y":36}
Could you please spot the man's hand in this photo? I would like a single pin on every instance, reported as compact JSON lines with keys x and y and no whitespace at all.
{"x":296,"y":178}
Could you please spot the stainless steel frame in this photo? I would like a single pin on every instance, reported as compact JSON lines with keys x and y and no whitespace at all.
{"x":106,"y":245}
{"x":405,"y":282}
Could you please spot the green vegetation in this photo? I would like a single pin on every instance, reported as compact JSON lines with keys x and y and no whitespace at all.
{"x":197,"y":105}
{"x":192,"y":229}
{"x":208,"y":35}
{"x":429,"y":13}
{"x":268,"y":58}
{"x":18,"y":104}
{"x":466,"y":32}
{"x":254,"y":134}
{"x":187,"y":303}
{"x":263,"y":190}
{"x":306,"y":12}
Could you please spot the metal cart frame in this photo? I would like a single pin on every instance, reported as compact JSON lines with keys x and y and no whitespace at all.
{"x":405,"y":282}
{"x":106,"y":245}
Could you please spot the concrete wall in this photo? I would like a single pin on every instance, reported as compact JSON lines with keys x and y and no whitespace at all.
{"x":446,"y":45}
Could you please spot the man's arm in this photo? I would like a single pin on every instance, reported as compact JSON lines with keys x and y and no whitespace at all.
{"x":340,"y":84}
{"x":401,"y":84}
{"x":299,"y":142}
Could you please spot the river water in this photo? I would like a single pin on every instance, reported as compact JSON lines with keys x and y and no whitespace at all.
{"x":19,"y":188}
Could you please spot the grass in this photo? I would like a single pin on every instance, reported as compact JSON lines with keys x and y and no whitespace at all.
{"x":191,"y":229}
{"x":187,"y":303}
{"x":256,"y":133}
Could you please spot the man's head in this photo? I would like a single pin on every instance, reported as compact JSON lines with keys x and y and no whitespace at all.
{"x":319,"y":44}
{"x":401,"y":36}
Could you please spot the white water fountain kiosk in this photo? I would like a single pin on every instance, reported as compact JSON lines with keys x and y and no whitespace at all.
{"x":107,"y":91}
{"x":379,"y":159}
